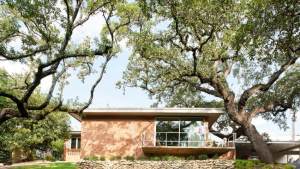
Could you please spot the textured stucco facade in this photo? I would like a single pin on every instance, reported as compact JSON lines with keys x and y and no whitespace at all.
{"x":115,"y":136}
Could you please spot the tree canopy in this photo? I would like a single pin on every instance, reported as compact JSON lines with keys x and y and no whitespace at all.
{"x":29,"y":135}
{"x":243,"y":53}
{"x":38,"y":34}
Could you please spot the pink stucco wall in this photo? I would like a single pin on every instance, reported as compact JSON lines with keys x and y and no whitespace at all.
{"x":110,"y":137}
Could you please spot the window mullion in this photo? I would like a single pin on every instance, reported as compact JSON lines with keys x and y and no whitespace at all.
{"x":179,"y":133}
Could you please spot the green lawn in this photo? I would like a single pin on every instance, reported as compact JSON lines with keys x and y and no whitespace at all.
{"x":50,"y":166}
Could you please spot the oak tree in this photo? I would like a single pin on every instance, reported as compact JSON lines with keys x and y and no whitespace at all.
{"x":242,"y":53}
{"x":38,"y":34}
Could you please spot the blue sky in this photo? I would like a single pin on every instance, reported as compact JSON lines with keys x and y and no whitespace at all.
{"x":107,"y":95}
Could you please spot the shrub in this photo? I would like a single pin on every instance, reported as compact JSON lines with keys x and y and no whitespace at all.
{"x":190,"y":158}
{"x":170,"y":158}
{"x":288,"y":166}
{"x":202,"y":157}
{"x":91,"y":158}
{"x":216,"y":156}
{"x":242,"y":164}
{"x":102,"y":158}
{"x":113,"y":158}
{"x":49,"y":158}
{"x":154,"y":158}
{"x":57,"y":147}
{"x":269,"y":166}
{"x":143,"y":158}
{"x":129,"y":158}
{"x":249,"y":164}
{"x":173,"y":158}
{"x":5,"y":156}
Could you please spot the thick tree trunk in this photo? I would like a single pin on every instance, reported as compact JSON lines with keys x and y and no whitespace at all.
{"x":261,"y":148}
{"x":7,"y":113}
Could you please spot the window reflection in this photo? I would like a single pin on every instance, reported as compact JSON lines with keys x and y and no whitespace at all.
{"x":181,"y":132}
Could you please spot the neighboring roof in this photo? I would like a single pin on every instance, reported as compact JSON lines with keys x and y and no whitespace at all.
{"x":75,"y":133}
{"x":275,"y":146}
{"x":211,"y":113}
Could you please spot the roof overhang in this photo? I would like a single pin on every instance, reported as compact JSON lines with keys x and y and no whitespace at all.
{"x":75,"y":133}
{"x":212,"y":114}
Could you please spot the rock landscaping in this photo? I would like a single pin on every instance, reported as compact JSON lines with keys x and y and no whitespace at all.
{"x":177,"y":164}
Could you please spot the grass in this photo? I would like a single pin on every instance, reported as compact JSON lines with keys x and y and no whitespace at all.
{"x":256,"y":164}
{"x":49,"y":166}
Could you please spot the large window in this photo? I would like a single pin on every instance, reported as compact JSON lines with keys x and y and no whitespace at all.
{"x":188,"y":132}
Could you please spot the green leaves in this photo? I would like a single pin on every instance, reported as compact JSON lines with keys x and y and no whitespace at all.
{"x":39,"y":34}
{"x":30,"y":134}
{"x":192,"y":50}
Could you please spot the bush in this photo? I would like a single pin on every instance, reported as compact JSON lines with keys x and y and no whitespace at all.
{"x":91,"y":158}
{"x":170,"y":158}
{"x":143,"y":158}
{"x":102,"y":158}
{"x":288,"y":166}
{"x":202,"y":157}
{"x":49,"y":158}
{"x":190,"y":158}
{"x":154,"y":158}
{"x":249,"y":164}
{"x":5,"y":156}
{"x":216,"y":156}
{"x":244,"y":164}
{"x":129,"y":158}
{"x":113,"y":158}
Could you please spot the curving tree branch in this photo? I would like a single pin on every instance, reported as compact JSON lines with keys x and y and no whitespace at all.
{"x":264,"y":87}
{"x":48,"y":59}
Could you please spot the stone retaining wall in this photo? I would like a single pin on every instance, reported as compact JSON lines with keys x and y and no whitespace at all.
{"x":178,"y":164}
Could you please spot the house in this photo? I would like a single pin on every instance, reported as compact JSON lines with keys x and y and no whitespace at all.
{"x":138,"y":132}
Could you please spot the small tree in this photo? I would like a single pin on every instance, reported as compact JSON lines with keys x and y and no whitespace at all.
{"x":31,"y":135}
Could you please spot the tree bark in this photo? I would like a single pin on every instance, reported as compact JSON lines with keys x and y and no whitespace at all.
{"x":8,"y":113}
{"x":261,"y":148}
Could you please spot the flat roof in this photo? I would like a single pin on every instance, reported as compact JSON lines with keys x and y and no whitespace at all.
{"x":212,"y":114}
{"x":155,"y":111}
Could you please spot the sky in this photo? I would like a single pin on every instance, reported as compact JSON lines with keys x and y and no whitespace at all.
{"x":107,"y":94}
